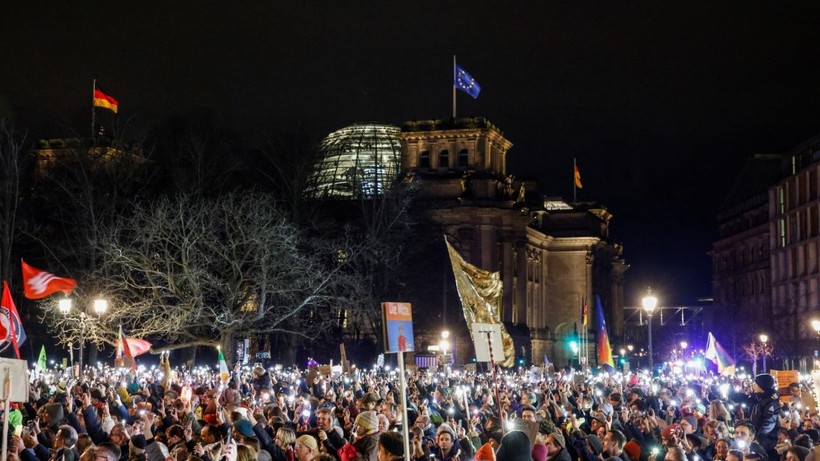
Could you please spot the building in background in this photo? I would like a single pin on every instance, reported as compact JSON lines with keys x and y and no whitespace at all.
{"x":552,"y":254}
{"x":766,"y":264}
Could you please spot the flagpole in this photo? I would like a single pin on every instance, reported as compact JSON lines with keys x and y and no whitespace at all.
{"x":454,"y":87}
{"x":584,"y":339}
{"x":93,"y":114}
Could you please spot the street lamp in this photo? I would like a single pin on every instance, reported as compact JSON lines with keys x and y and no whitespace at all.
{"x":99,"y":306}
{"x":444,"y":346}
{"x":649,"y":303}
{"x":763,"y":340}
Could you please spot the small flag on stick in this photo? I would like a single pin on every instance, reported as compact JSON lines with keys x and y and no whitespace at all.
{"x":224,"y":374}
{"x":717,"y":354}
{"x":42,"y":361}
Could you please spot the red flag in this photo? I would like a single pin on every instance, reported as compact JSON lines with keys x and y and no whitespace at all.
{"x":11,"y":328}
{"x":38,"y":284}
{"x":124,"y":357}
{"x":137,"y":346}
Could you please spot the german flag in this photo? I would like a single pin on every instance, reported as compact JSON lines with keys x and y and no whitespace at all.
{"x":101,"y":99}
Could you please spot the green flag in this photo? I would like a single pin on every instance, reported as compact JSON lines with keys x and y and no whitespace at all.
{"x":42,"y":362}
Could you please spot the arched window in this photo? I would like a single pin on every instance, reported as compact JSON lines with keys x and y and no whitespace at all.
{"x":424,"y":159}
{"x":444,"y":159}
{"x":463,"y":159}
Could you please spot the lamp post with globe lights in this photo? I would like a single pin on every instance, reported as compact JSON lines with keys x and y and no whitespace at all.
{"x":99,"y":307}
{"x":649,"y":303}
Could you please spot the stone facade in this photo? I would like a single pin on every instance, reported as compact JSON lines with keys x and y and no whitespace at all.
{"x":551,"y":254}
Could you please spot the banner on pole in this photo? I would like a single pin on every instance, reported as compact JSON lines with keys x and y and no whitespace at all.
{"x":397,"y":319}
{"x":483,"y":333}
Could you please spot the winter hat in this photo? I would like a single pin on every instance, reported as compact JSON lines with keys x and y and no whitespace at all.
{"x":498,"y":435}
{"x":766,"y":382}
{"x":139,"y":441}
{"x":813,"y":434}
{"x":692,"y":421}
{"x":485,"y":453}
{"x":309,"y":441}
{"x":446,"y":428}
{"x":633,"y":450}
{"x":515,"y":446}
{"x":559,"y":439}
{"x":55,"y":414}
{"x":368,"y":420}
{"x":539,"y":452}
{"x":667,"y":431}
{"x":393,"y":443}
{"x":244,"y":427}
{"x":595,"y":443}
{"x":800,"y":452}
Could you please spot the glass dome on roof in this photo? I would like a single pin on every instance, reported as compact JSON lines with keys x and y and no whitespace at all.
{"x":357,"y":161}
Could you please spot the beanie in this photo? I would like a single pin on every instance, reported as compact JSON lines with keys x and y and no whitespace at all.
{"x":667,"y":431}
{"x":633,"y":450}
{"x":393,"y":443}
{"x":559,"y":439}
{"x":515,"y":446}
{"x":766,"y":382}
{"x":800,"y":452}
{"x":539,"y":452}
{"x":244,"y":427}
{"x":485,"y":453}
{"x":138,"y":441}
{"x":446,"y":428}
{"x":595,"y":443}
{"x":368,"y":420}
{"x":692,"y":421}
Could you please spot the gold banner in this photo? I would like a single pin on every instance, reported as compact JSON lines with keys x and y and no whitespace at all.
{"x":480,"y":293}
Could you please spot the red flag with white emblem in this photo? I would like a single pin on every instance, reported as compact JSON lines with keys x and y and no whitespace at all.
{"x":11,"y":328}
{"x":38,"y":284}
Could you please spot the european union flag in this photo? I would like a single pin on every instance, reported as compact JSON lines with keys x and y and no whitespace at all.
{"x":466,"y":83}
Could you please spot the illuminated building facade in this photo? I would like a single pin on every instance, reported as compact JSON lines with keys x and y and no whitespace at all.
{"x":551,"y":254}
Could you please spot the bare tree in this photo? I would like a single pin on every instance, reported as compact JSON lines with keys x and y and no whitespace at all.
{"x":195,"y":271}
{"x":11,"y":173}
{"x":79,"y":185}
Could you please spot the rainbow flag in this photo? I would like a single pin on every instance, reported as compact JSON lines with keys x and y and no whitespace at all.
{"x":604,"y":349}
{"x":716,"y":353}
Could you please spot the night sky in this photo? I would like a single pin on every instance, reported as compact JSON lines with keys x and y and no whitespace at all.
{"x":659,"y":101}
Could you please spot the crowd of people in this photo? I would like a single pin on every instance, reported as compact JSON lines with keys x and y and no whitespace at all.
{"x":288,"y":414}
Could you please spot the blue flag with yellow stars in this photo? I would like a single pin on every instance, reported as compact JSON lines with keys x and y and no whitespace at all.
{"x":466,"y":83}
